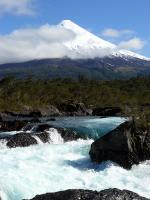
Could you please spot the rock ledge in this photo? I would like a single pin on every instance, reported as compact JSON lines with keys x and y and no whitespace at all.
{"x":110,"y":194}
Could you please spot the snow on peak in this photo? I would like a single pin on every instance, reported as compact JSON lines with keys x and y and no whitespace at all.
{"x":87,"y":45}
{"x":68,"y":24}
{"x":86,"y":35}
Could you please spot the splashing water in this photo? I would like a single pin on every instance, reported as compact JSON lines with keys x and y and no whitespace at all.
{"x":91,"y":127}
{"x":26,"y":172}
{"x":55,"y":137}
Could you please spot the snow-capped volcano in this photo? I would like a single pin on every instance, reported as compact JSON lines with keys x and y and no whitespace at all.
{"x":88,"y":45}
{"x":67,"y":50}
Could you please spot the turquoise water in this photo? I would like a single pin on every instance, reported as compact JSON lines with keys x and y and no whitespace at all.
{"x":91,"y":127}
{"x":26,"y":172}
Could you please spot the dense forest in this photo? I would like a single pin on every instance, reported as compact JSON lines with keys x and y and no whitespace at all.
{"x":133,"y":93}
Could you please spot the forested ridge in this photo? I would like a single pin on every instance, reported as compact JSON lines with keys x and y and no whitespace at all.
{"x":133,"y":93}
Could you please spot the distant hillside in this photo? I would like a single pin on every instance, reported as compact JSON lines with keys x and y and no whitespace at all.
{"x":84,"y":55}
{"x":99,"y":68}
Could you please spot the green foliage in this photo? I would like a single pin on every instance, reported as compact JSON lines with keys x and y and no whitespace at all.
{"x":133,"y":94}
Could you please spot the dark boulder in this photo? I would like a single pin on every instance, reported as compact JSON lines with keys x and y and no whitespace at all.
{"x":42,"y":127}
{"x":15,"y":125}
{"x":127,"y":145}
{"x":109,"y":194}
{"x":107,"y":111}
{"x":21,"y":140}
{"x":24,"y":139}
{"x":69,"y":135}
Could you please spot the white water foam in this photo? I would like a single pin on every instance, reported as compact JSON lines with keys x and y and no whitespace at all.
{"x":54,"y":137}
{"x":26,"y":172}
{"x":2,"y":144}
{"x":3,"y":196}
{"x":37,"y":139}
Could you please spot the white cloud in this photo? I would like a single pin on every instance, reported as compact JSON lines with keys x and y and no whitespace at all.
{"x":125,"y":38}
{"x":26,"y":44}
{"x":114,"y":33}
{"x":17,"y":7}
{"x":56,"y":42}
{"x":132,"y":44}
{"x":47,"y":42}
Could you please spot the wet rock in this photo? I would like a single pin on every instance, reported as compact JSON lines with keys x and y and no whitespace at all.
{"x":21,"y":140}
{"x":110,"y":194}
{"x":15,"y":125}
{"x":107,"y":111}
{"x":127,"y":145}
{"x":69,"y":135}
{"x":44,"y":137}
{"x":42,"y":127}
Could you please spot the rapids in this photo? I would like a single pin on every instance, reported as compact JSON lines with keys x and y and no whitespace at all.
{"x":26,"y":172}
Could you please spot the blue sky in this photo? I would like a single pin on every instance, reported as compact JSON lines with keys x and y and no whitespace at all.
{"x":114,"y":20}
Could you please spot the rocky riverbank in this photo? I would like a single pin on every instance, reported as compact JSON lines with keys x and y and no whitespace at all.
{"x":65,"y":109}
{"x":109,"y":194}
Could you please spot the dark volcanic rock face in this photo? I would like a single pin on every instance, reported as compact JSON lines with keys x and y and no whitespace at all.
{"x":126,"y":145}
{"x":21,"y":140}
{"x":110,"y":194}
